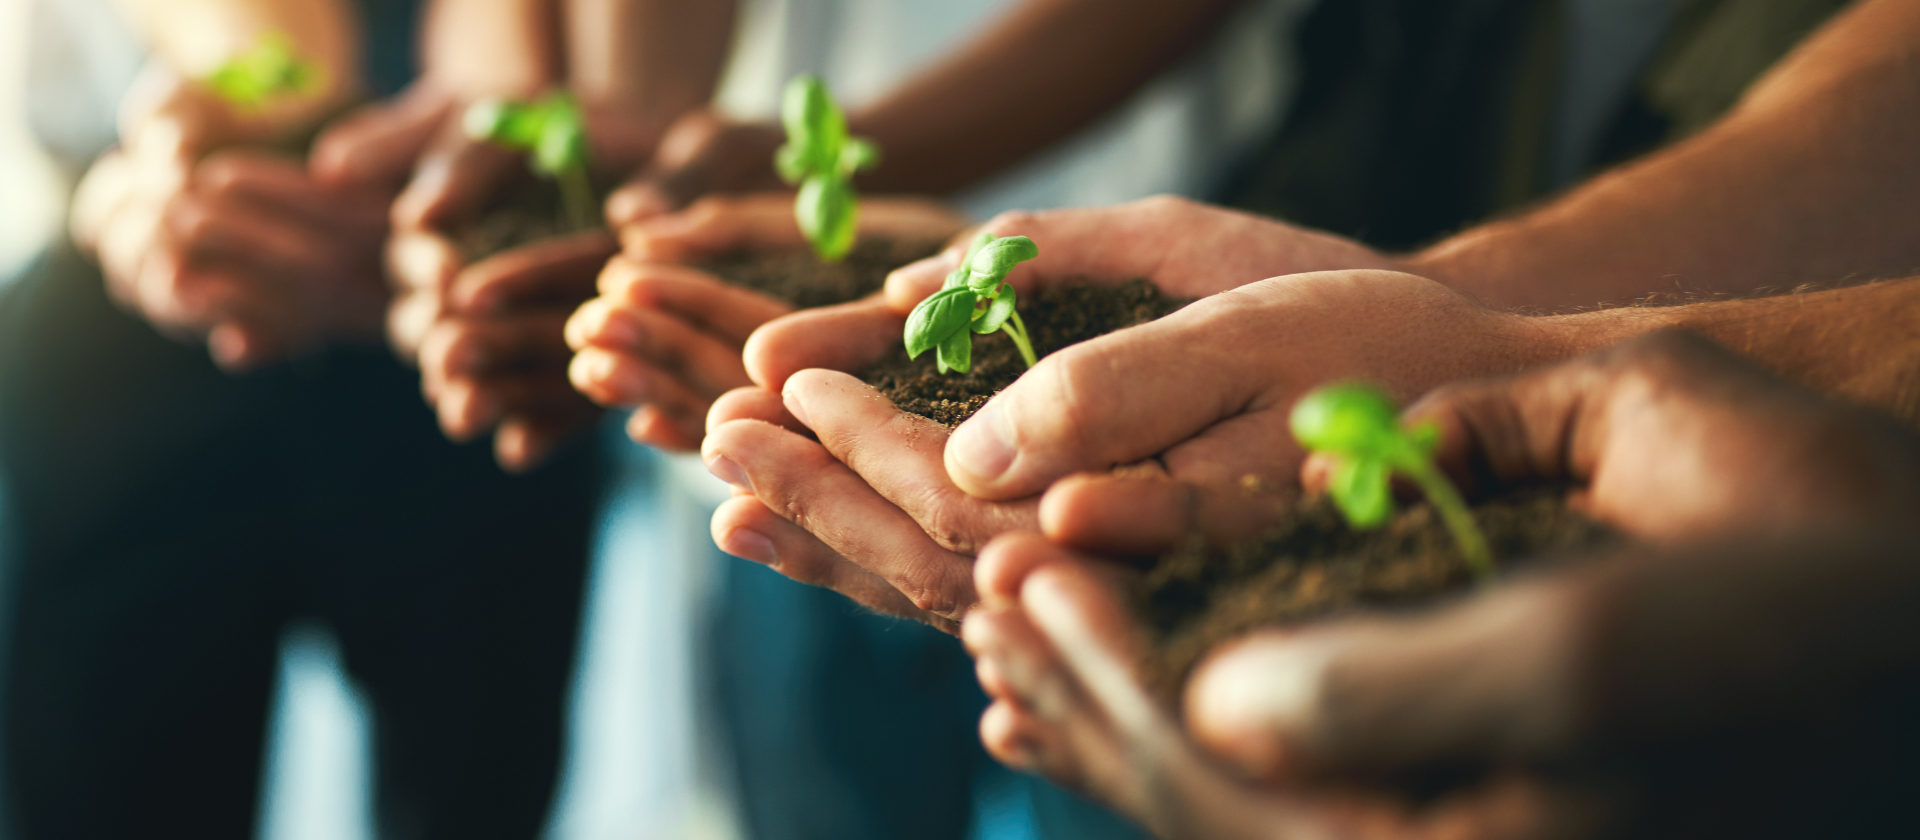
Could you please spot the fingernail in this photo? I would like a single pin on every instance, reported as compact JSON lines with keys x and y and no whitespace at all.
{"x":728,"y":471}
{"x":616,"y":329}
{"x":749,"y":545}
{"x":981,"y":447}
{"x":632,"y":205}
{"x":795,"y":408}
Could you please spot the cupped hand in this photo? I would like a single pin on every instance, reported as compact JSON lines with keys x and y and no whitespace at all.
{"x":1203,"y":369}
{"x":666,"y":339}
{"x":703,"y":152}
{"x":207,"y":234}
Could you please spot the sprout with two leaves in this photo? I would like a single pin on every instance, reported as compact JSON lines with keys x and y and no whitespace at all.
{"x":975,"y":299}
{"x":820,"y":158}
{"x":1360,"y":427}
{"x":553,"y":134}
{"x":269,"y":71}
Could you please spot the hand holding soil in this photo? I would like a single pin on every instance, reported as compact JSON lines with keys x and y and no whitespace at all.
{"x":210,"y":234}
{"x":676,"y":308}
{"x":1574,"y":670}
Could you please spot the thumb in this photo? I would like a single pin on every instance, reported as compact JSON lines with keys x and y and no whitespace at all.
{"x":1117,"y":399}
{"x":1493,"y":678}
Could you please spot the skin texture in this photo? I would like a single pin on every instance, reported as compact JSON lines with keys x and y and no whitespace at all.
{"x":665,"y":340}
{"x":1609,"y":662}
{"x":208,"y":234}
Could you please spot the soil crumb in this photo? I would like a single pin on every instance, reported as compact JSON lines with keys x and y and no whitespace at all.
{"x":1312,"y":566}
{"x":1057,"y":317}
{"x":801,"y":279}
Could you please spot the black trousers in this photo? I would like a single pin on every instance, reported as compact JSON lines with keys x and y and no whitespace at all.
{"x":169,"y":521}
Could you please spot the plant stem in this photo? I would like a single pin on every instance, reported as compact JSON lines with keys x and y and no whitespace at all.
{"x":1018,"y":332}
{"x":577,"y":194}
{"x":1459,"y":520}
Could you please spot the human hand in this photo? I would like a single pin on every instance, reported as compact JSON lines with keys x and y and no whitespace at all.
{"x":665,"y":339}
{"x":701,"y":153}
{"x":210,"y":236}
{"x":873,"y":490}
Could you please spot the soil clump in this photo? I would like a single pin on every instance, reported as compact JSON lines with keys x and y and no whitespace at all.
{"x":799,"y":278}
{"x":1056,"y":317}
{"x":1312,"y":566}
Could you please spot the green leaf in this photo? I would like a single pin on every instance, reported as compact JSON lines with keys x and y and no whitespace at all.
{"x":791,"y":162}
{"x":998,"y":311}
{"x":270,"y":69}
{"x":1348,"y":418}
{"x":826,"y":211}
{"x":856,"y":155}
{"x":1360,"y":490}
{"x":989,"y":267}
{"x":1425,"y":438}
{"x":561,"y":144}
{"x":937,"y":318}
{"x":956,"y":352}
{"x":815,"y":127}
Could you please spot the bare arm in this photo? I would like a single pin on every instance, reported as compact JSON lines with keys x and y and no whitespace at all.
{"x":1860,"y":343}
{"x":194,"y":37}
{"x":1810,"y":179}
{"x":1045,"y":70}
{"x":652,"y":60}
{"x":482,"y":48}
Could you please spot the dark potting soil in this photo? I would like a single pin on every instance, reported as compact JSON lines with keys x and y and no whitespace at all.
{"x":530,"y":212}
{"x":1055,"y":317}
{"x":801,"y":279}
{"x":1312,"y":566}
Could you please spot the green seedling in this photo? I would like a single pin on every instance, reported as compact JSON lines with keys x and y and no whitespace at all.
{"x":1360,"y":427}
{"x":554,"y":136}
{"x":975,"y":299}
{"x":820,"y":158}
{"x":269,"y":71}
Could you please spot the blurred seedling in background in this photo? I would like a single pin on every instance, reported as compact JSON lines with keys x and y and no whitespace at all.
{"x":553,"y":134}
{"x":269,"y":71}
{"x":975,"y":299}
{"x":820,"y":158}
{"x":1359,"y":426}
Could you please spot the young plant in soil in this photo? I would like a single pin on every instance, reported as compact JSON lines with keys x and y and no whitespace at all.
{"x":553,"y":134}
{"x":269,"y":71}
{"x":820,"y":158}
{"x":975,"y":299}
{"x":1360,"y":427}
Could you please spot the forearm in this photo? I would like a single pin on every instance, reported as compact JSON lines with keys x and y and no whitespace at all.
{"x":1044,"y":71}
{"x":652,"y":59}
{"x":1860,"y":343}
{"x":1808,"y":180}
{"x":195,"y":37}
{"x":492,"y":48}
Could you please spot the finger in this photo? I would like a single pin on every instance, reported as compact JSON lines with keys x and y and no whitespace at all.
{"x":615,"y":380}
{"x":1491,"y":678}
{"x":699,"y":298}
{"x":469,"y":347}
{"x":706,"y":364}
{"x":745,"y":528}
{"x":1014,"y":655}
{"x":711,"y":226}
{"x":376,"y":146}
{"x":468,"y":407}
{"x":525,"y":441}
{"x":754,"y":404}
{"x":654,"y":426}
{"x":800,"y":480}
{"x":453,"y":181}
{"x":847,"y":337}
{"x":1116,"y":399}
{"x":213,"y":229}
{"x":700,"y":153}
{"x":423,"y":262}
{"x":1140,"y":514}
{"x":899,"y":455}
{"x":557,"y":271}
